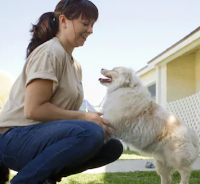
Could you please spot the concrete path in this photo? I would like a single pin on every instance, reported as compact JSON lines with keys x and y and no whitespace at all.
{"x":129,"y":165}
{"x":132,"y":165}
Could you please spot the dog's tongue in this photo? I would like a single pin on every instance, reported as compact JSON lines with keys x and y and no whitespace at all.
{"x":104,"y":80}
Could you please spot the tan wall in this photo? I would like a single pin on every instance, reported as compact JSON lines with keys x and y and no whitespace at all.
{"x":197,"y":72}
{"x":149,"y":77}
{"x":181,"y":77}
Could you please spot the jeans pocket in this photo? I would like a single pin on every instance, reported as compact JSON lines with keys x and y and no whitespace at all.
{"x":11,"y":162}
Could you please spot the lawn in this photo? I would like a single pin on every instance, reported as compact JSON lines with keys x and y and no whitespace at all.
{"x":131,"y":155}
{"x":138,"y":177}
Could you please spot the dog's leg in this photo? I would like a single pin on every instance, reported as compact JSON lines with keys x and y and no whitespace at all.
{"x":184,"y":167}
{"x":164,"y":171}
{"x":185,"y":175}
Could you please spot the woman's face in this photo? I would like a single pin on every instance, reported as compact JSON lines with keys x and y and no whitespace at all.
{"x":78,"y":30}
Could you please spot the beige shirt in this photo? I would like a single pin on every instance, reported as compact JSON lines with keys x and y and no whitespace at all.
{"x":48,"y":61}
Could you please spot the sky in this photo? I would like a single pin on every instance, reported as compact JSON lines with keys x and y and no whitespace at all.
{"x":128,"y":33}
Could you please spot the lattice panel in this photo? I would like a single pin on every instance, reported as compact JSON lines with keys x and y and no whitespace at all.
{"x":188,"y":110}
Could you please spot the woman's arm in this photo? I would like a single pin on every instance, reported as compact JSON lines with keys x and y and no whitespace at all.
{"x":38,"y":107}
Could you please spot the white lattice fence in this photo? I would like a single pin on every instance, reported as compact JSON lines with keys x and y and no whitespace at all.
{"x":188,"y":110}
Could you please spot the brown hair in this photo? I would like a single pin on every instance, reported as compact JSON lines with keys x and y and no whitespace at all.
{"x":48,"y":24}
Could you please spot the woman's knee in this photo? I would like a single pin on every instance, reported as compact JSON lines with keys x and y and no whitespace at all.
{"x":118,"y":147}
{"x":90,"y":132}
{"x":95,"y":132}
{"x":114,"y":149}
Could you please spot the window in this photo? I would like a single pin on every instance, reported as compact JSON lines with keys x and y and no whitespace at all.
{"x":152,"y":90}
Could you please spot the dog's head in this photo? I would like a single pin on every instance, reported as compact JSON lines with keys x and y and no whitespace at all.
{"x":119,"y":77}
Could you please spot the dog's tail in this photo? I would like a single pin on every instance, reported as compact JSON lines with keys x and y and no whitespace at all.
{"x":4,"y":173}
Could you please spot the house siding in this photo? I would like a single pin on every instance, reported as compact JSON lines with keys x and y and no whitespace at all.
{"x":181,"y":76}
{"x":197,"y":67}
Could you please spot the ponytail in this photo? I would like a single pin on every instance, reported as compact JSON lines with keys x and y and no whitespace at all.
{"x":44,"y":30}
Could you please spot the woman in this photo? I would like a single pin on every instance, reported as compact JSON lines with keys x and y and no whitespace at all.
{"x":43,"y":135}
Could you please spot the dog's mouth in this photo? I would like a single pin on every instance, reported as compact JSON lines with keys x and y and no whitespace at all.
{"x":106,"y":80}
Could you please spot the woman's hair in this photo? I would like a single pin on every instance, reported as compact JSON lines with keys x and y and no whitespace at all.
{"x":48,"y":24}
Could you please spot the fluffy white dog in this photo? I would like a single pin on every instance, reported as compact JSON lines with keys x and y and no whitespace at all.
{"x":151,"y":129}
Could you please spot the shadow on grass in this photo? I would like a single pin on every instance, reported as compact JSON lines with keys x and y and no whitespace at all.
{"x":71,"y":181}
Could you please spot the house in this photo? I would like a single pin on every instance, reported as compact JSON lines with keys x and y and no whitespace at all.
{"x":173,"y":79}
{"x":175,"y":73}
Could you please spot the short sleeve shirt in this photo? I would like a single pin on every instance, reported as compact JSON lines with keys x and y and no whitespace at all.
{"x":48,"y":61}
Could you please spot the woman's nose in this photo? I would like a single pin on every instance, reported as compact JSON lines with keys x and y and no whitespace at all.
{"x":90,"y":29}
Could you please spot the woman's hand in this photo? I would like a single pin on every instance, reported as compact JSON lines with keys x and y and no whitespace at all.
{"x":96,"y":118}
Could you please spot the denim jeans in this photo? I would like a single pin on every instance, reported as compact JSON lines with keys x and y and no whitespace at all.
{"x":55,"y":149}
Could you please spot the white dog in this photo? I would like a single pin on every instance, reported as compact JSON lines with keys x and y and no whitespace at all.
{"x":151,"y":129}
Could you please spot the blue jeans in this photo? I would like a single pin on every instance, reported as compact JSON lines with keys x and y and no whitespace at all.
{"x":55,"y":149}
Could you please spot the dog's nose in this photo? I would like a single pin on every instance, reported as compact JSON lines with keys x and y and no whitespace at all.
{"x":102,"y":69}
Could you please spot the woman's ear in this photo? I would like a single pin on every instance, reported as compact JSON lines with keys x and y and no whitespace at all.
{"x":63,"y":21}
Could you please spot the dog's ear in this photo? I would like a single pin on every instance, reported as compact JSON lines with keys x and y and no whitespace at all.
{"x":132,"y":79}
{"x":129,"y":79}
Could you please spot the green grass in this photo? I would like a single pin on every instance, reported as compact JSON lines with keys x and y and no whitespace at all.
{"x":130,"y":152}
{"x":138,"y":177}
{"x":131,"y":155}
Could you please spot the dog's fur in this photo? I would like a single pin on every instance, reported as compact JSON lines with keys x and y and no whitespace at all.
{"x":148,"y":127}
{"x":4,"y":173}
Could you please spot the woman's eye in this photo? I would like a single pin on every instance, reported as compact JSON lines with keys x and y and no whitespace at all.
{"x":85,"y":24}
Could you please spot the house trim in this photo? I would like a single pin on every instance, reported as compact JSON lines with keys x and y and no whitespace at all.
{"x":183,"y":46}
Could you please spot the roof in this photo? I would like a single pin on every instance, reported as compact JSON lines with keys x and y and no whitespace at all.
{"x":174,"y":45}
